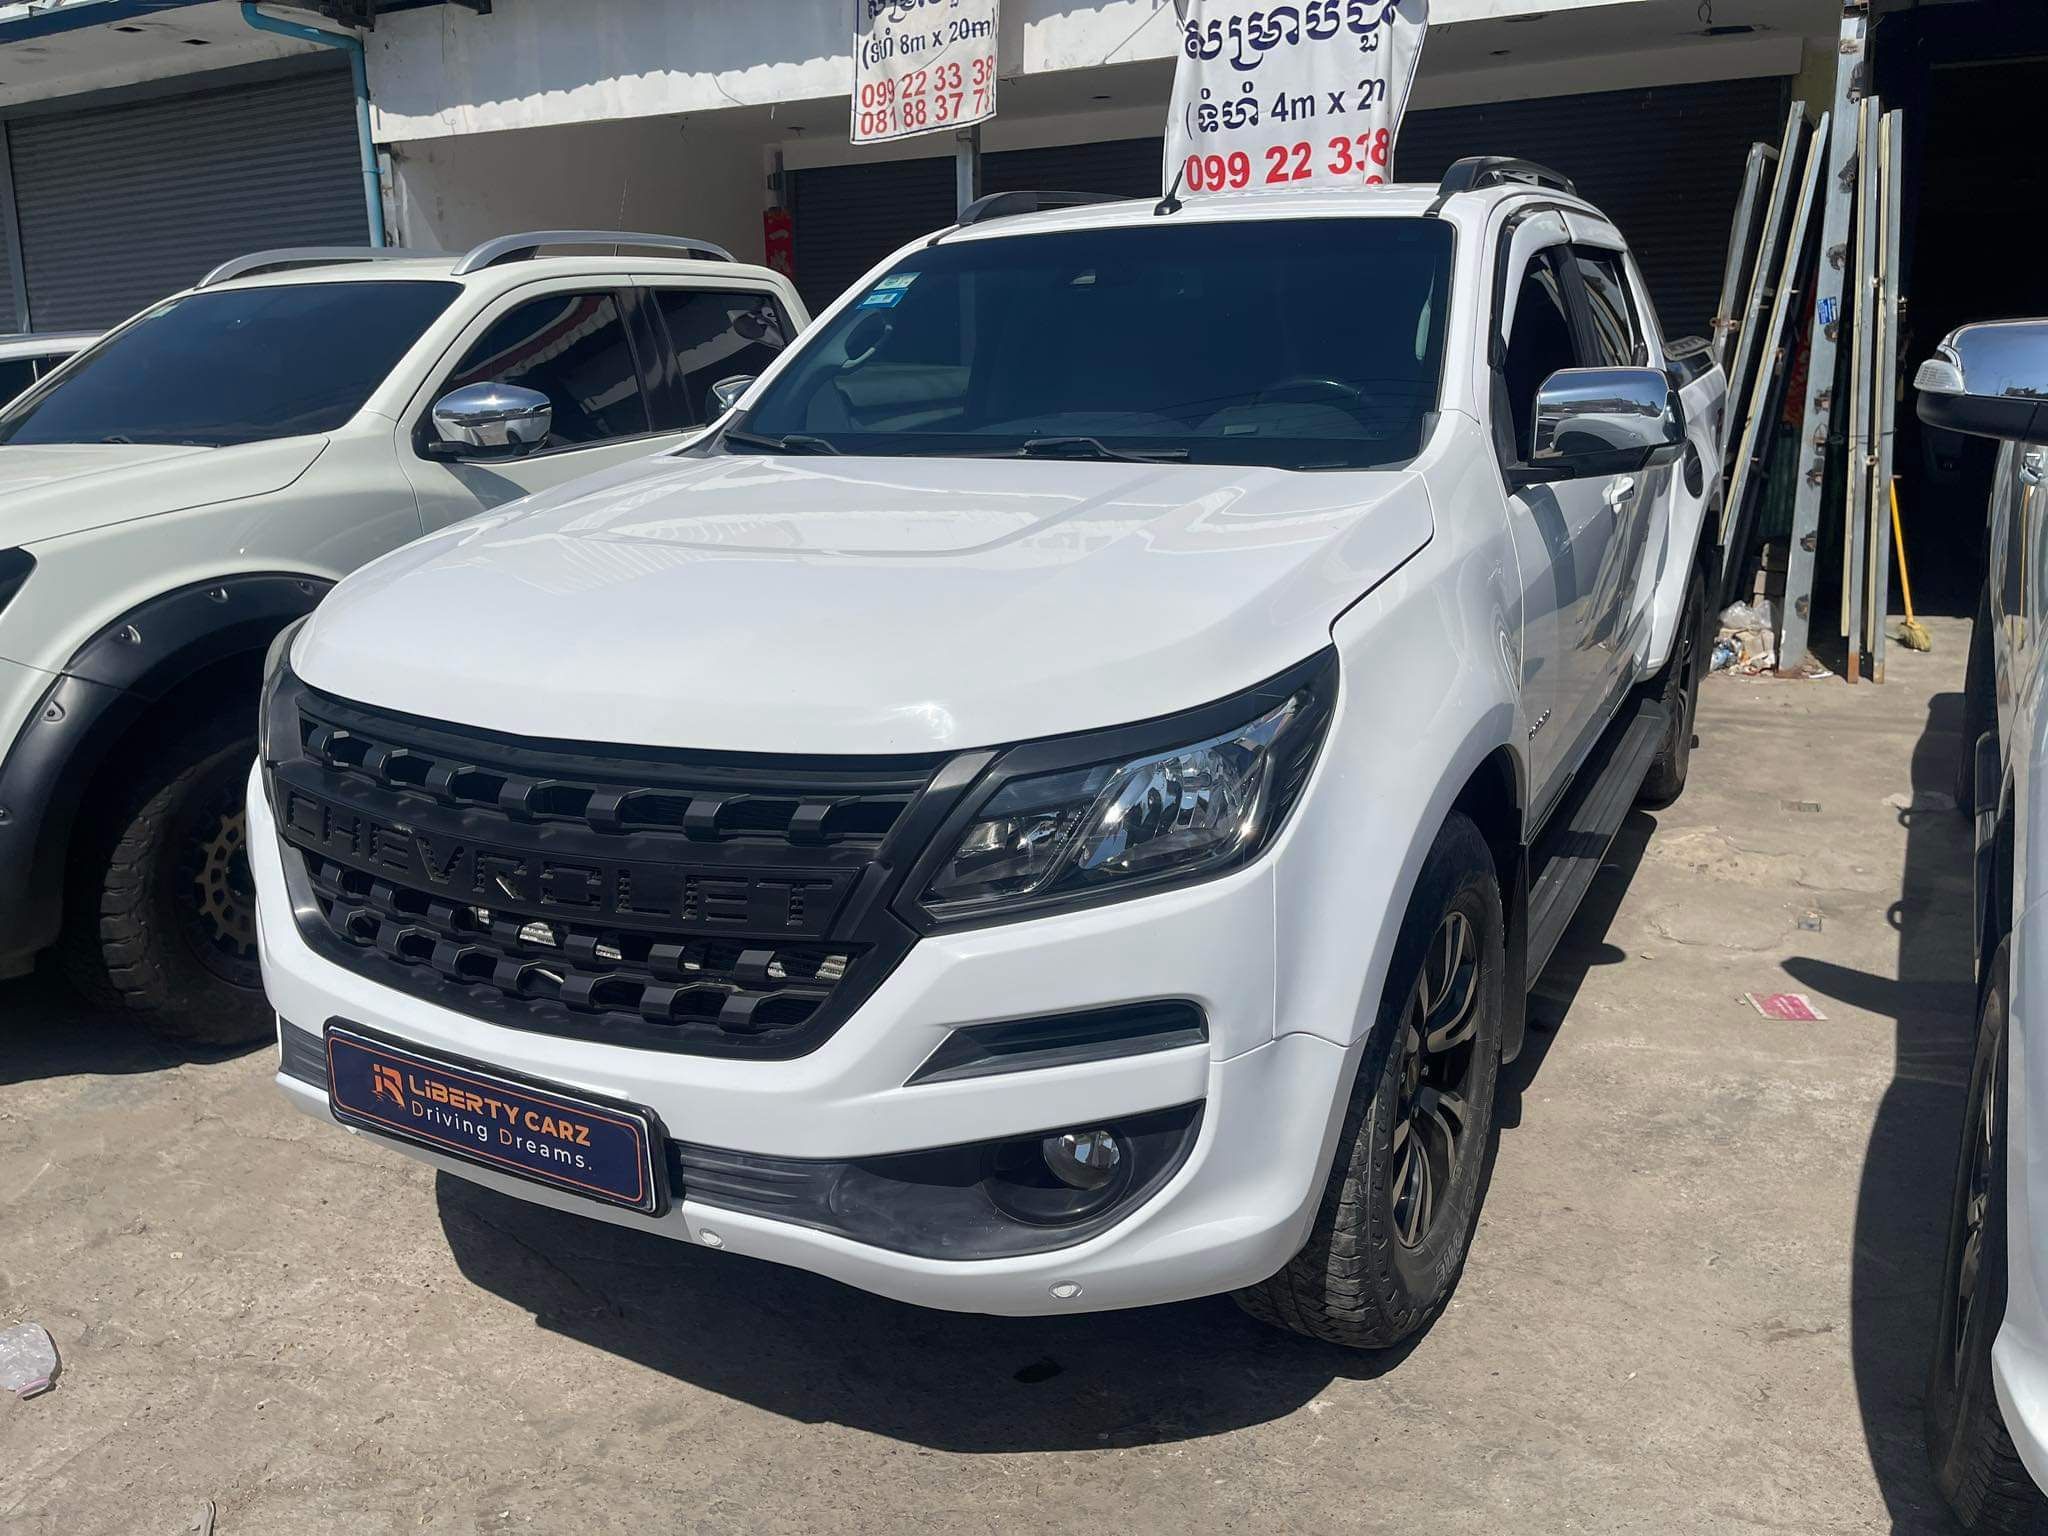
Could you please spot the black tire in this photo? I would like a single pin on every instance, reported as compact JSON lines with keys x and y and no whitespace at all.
{"x":1402,"y":1198}
{"x":1980,"y":704}
{"x":1975,"y":1465}
{"x":1679,"y":689}
{"x":162,"y":921}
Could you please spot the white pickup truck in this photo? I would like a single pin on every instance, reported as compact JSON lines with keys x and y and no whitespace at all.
{"x":1054,"y":804}
{"x":179,"y":490}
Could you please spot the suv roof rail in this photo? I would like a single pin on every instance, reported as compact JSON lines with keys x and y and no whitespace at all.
{"x":1476,"y":171}
{"x":304,"y":256}
{"x":1003,"y":205}
{"x":519,"y":247}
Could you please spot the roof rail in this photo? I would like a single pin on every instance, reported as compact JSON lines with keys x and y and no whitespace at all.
{"x":1476,"y":171}
{"x":304,"y":256}
{"x":519,"y":247}
{"x":1003,"y":205}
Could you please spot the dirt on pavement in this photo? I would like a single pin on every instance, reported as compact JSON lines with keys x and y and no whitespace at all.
{"x":1701,"y":1297}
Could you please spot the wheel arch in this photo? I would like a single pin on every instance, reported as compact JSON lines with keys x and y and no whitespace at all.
{"x":173,"y":653}
{"x":1494,"y":797}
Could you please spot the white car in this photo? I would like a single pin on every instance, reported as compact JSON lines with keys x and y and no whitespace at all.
{"x":1055,"y":804}
{"x":26,"y":358}
{"x":201,"y":476}
{"x":1987,"y":1394}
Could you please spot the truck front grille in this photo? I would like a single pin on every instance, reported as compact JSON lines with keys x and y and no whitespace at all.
{"x":718,"y":905}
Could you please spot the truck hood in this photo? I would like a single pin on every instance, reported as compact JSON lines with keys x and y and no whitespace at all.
{"x":849,"y":605}
{"x":47,"y":492}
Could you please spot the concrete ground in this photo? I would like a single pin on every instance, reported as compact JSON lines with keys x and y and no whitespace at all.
{"x":1701,"y":1297}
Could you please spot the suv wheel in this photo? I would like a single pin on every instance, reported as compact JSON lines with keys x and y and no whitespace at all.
{"x":1974,"y":1462}
{"x":163,"y":921}
{"x":1403,"y":1194}
{"x":1679,"y":689}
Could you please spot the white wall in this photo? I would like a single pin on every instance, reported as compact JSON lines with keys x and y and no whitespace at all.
{"x":652,"y":174}
{"x":442,"y":69}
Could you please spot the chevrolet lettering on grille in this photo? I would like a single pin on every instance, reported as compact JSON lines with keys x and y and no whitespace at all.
{"x":638,"y":893}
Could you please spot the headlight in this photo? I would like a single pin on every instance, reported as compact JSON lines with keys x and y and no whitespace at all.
{"x":277,"y":716}
{"x":1046,"y":833}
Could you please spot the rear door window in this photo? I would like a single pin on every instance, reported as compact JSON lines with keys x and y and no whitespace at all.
{"x":573,"y":348}
{"x":713,"y":334}
{"x":16,"y":374}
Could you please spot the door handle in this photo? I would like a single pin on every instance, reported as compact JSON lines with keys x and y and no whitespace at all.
{"x":2033,"y":466}
{"x":1618,"y":493}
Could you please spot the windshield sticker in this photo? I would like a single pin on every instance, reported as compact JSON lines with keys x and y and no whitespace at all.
{"x":882,"y":298}
{"x":896,"y":280}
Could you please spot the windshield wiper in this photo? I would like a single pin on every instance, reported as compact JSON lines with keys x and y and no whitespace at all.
{"x":1088,"y":448}
{"x":793,"y":442}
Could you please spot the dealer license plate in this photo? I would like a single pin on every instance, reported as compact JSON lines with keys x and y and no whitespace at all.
{"x":591,"y":1147}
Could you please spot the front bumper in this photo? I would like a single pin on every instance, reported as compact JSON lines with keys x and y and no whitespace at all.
{"x":1234,"y":1212}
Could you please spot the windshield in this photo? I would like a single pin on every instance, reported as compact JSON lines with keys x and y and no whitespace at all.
{"x":236,"y":366}
{"x":1301,"y":344}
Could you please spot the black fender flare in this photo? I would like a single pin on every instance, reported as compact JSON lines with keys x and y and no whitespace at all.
{"x":110,"y":683}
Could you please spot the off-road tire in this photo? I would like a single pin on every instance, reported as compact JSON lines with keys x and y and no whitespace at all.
{"x":1679,"y":689}
{"x":128,"y":939}
{"x":1975,"y":1465}
{"x":1356,"y":1282}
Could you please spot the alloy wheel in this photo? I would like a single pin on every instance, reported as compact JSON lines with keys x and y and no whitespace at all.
{"x":1433,"y":1115}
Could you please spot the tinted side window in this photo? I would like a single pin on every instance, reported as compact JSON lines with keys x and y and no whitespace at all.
{"x":16,"y":374}
{"x":572,"y":347}
{"x":1541,"y":343}
{"x":1615,"y":332}
{"x":717,"y":336}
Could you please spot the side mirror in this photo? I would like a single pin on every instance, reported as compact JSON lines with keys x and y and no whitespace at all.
{"x":725,"y":394}
{"x":1990,"y":380}
{"x":491,"y":421}
{"x":1604,"y":421}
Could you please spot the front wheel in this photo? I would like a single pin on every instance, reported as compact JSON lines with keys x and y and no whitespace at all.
{"x":1402,"y":1197}
{"x":163,"y":917}
{"x":1975,"y":1465}
{"x":1680,"y":693}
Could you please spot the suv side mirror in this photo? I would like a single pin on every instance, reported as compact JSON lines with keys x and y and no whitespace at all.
{"x":490,"y":421}
{"x":1604,"y":421}
{"x":1990,"y":380}
{"x":725,"y":394}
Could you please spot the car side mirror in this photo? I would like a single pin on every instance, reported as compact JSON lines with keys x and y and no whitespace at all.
{"x":725,"y":394}
{"x":1989,"y":380}
{"x":491,"y":421}
{"x":1604,"y":421}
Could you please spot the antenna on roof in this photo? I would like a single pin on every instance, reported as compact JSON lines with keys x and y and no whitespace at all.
{"x":1171,"y":202}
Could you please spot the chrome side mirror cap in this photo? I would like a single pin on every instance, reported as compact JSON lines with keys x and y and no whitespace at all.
{"x":1989,"y":380}
{"x":725,"y":394}
{"x":491,"y":421}
{"x":1605,"y":421}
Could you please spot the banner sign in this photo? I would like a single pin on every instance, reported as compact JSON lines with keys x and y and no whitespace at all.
{"x":920,"y":66}
{"x":1290,"y":96}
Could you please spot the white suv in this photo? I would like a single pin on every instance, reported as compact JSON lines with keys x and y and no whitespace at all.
{"x":202,"y":475}
{"x":1055,"y":804}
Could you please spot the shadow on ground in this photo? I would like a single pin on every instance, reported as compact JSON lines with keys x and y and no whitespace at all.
{"x":47,"y":1031}
{"x":813,"y":1350}
{"x":1909,"y":1168}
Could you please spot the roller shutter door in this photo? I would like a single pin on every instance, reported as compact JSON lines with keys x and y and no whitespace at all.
{"x":848,"y":217}
{"x":1665,"y":163}
{"x":122,"y":204}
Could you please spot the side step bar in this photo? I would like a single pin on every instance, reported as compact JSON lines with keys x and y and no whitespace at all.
{"x":1569,"y":851}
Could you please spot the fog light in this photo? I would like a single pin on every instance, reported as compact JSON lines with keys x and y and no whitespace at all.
{"x":1085,"y":1160}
